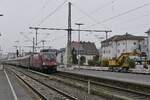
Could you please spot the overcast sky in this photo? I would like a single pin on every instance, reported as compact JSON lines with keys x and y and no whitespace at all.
{"x":132,"y":16}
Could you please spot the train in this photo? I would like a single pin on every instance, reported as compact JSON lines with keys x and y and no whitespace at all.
{"x":42,"y":61}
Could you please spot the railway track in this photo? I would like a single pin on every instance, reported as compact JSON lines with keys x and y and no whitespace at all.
{"x":44,"y":91}
{"x":110,"y":88}
{"x":50,"y":80}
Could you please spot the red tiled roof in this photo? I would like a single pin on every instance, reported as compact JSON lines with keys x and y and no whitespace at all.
{"x":88,"y":48}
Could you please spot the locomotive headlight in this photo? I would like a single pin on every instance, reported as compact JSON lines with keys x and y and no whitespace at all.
{"x":44,"y":63}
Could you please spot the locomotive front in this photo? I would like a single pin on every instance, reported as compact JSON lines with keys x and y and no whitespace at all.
{"x":49,"y":61}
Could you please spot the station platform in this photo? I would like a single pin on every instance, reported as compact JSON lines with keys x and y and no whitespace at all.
{"x":125,"y":77}
{"x":5,"y":90}
{"x":12,"y":89}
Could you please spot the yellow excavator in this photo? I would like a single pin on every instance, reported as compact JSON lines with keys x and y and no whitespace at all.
{"x":122,"y":63}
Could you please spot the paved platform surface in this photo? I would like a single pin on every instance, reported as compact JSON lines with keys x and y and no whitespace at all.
{"x":19,"y":92}
{"x":127,"y":77}
{"x":5,"y":90}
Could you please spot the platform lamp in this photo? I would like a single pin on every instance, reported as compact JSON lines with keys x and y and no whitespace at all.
{"x":1,"y":15}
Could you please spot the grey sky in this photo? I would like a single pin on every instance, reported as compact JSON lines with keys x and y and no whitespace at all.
{"x":19,"y":15}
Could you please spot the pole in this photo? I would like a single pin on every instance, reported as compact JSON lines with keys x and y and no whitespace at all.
{"x":36,"y":29}
{"x":89,"y":87}
{"x":43,"y":41}
{"x":106,"y":35}
{"x":33,"y":45}
{"x":69,"y":23}
{"x":79,"y":47}
{"x":126,"y":42}
{"x":79,"y":24}
{"x":32,"y":54}
{"x":69,"y":60}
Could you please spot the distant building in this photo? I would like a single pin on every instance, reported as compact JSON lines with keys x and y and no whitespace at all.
{"x":114,"y":46}
{"x":11,"y":55}
{"x":148,"y":33}
{"x":85,"y":49}
{"x":60,"y":56}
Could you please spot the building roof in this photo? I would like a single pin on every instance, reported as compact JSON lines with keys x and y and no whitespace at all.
{"x":148,"y":31}
{"x":124,"y":37}
{"x":88,"y":48}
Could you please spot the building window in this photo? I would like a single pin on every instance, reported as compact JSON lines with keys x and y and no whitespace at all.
{"x":123,"y":43}
{"x":134,"y":43}
{"x":123,"y":50}
{"x":118,"y":51}
{"x":118,"y":44}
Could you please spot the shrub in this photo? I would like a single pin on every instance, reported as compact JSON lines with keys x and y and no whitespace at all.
{"x":105,"y":63}
{"x":98,"y":63}
{"x":91,"y":62}
{"x":131,"y":63}
{"x":82,"y":60}
{"x":74,"y":56}
{"x":96,"y":58}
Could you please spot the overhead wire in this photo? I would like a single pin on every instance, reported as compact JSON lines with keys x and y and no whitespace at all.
{"x":40,"y":10}
{"x":135,"y":19}
{"x":98,"y":9}
{"x":89,"y":15}
{"x":121,"y":14}
{"x":52,"y":13}
{"x":85,"y":13}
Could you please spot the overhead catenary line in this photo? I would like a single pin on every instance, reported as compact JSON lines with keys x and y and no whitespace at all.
{"x":71,"y":29}
{"x":25,"y":36}
{"x":97,"y":9}
{"x":106,"y":31}
{"x":88,"y":15}
{"x":37,"y":14}
{"x":135,"y":19}
{"x":85,"y":13}
{"x":52,"y":13}
{"x":121,"y":14}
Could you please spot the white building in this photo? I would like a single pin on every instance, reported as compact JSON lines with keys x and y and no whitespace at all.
{"x":148,"y":33}
{"x":114,"y":46}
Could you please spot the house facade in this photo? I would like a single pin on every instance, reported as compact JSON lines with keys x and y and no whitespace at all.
{"x":114,"y":46}
{"x":85,"y":49}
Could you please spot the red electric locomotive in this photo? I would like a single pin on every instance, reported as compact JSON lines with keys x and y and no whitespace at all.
{"x":43,"y":61}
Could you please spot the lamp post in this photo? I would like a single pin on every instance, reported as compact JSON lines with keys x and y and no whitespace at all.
{"x":43,"y":42}
{"x":17,"y":48}
{"x":126,"y":42}
{"x":1,"y":15}
{"x":79,"y":24}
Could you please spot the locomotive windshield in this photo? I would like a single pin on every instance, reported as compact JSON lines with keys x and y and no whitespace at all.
{"x":49,"y":55}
